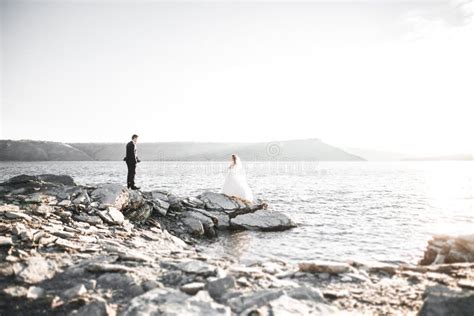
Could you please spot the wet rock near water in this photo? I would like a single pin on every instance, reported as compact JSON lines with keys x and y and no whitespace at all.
{"x":449,"y":249}
{"x":106,"y":250}
{"x":441,"y":300}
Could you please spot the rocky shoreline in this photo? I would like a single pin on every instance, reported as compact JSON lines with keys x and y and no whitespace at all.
{"x":67,"y":249}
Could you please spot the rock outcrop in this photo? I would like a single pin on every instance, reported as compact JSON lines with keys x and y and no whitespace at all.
{"x":66,"y":250}
{"x":112,"y":203}
{"x":449,"y":249}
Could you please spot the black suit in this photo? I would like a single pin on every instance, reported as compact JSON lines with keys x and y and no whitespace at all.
{"x":131,"y":159}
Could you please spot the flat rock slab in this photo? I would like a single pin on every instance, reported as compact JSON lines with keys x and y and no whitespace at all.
{"x":218,"y":201}
{"x":192,"y":288}
{"x":173,"y":302}
{"x":107,"y":267}
{"x":465,"y":283}
{"x":9,"y":208}
{"x":66,"y":244}
{"x":193,"y":202}
{"x":134,"y":256}
{"x":197,"y":267}
{"x":17,"y":215}
{"x":5,"y":241}
{"x":15,"y":291}
{"x":112,"y":216}
{"x":162,"y":204}
{"x":306,"y":293}
{"x":264,"y":220}
{"x":253,"y":300}
{"x":285,"y":305}
{"x":324,"y":267}
{"x":160,"y":195}
{"x":374,"y":266}
{"x":91,"y":219}
{"x":64,"y":203}
{"x":36,"y":270}
{"x":25,"y":184}
{"x":192,"y":266}
{"x":49,"y":178}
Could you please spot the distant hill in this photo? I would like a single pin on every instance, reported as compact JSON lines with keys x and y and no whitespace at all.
{"x":29,"y":150}
{"x":305,"y":150}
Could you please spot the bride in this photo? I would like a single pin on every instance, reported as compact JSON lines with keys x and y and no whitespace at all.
{"x":235,"y":184}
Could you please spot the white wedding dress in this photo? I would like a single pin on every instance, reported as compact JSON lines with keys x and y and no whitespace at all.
{"x":235,"y":183}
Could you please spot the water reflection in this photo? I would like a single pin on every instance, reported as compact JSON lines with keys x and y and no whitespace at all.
{"x":232,"y":245}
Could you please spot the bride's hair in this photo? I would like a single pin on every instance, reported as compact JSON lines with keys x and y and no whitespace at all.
{"x":235,"y":164}
{"x":235,"y":161}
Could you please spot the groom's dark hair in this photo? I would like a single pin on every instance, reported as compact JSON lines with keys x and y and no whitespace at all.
{"x":134,"y":136}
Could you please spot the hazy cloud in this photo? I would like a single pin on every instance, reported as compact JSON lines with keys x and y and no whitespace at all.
{"x":437,"y":19}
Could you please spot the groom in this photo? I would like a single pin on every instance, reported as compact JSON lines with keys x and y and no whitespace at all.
{"x":131,"y":159}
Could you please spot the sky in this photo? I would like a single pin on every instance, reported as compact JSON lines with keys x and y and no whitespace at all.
{"x":385,"y":75}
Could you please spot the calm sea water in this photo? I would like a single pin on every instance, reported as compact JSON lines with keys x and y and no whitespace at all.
{"x":371,"y":210}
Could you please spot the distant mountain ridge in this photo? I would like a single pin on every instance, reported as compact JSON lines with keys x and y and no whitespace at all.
{"x":27,"y":150}
{"x":299,"y":150}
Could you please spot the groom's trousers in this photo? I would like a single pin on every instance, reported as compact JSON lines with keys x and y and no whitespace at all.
{"x":131,"y":174}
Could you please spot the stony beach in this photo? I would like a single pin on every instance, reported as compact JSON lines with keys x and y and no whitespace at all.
{"x":68,"y":249}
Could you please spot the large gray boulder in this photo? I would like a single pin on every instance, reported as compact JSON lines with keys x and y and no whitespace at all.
{"x":111,"y":195}
{"x":198,"y":223}
{"x":264,"y":220}
{"x":219,"y":287}
{"x":193,"y":225}
{"x":441,"y":300}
